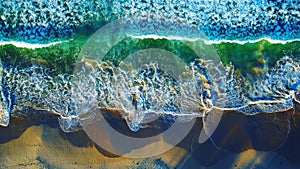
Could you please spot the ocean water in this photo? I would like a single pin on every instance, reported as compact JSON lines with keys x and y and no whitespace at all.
{"x":156,"y":63}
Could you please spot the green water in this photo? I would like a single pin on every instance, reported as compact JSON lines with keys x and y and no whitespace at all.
{"x":249,"y":58}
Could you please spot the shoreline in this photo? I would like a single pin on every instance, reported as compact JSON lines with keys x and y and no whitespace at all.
{"x":233,"y":140}
{"x":278,"y":125}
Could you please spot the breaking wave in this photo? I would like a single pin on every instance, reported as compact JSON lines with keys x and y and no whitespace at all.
{"x":149,"y":92}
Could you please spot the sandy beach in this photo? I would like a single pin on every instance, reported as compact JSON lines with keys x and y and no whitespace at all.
{"x":40,"y":143}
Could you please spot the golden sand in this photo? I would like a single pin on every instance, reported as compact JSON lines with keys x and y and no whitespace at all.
{"x":43,"y":147}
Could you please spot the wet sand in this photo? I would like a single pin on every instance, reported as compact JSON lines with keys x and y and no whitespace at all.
{"x":45,"y":147}
{"x":239,"y":142}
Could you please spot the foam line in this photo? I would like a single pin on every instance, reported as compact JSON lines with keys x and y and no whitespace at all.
{"x":242,"y":42}
{"x":20,"y":44}
{"x":210,"y":42}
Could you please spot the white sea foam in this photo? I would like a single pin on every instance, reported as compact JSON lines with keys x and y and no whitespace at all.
{"x":210,"y":42}
{"x":154,"y":93}
{"x":21,"y":44}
